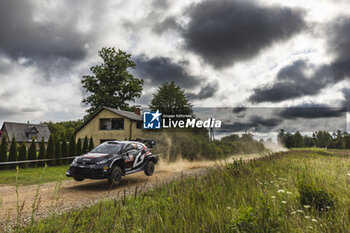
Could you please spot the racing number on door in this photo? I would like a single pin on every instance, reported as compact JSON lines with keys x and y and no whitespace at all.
{"x":139,"y":159}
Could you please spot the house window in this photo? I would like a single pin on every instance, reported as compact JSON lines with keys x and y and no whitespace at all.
{"x":112,"y":124}
{"x":139,"y":125}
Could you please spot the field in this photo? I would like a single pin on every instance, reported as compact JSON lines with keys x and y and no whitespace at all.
{"x":28,"y":176}
{"x":295,"y":191}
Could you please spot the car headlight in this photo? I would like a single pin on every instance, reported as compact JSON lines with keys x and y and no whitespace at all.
{"x":102,"y":162}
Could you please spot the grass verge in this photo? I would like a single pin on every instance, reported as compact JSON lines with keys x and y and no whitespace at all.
{"x":28,"y":176}
{"x":295,"y":191}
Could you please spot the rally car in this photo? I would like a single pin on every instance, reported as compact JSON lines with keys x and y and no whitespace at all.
{"x":113,"y":159}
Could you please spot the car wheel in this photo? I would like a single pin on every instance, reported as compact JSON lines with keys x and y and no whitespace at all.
{"x":78,"y":179}
{"x":116,"y":175}
{"x":149,"y":168}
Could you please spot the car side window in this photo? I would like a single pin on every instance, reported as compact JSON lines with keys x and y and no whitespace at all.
{"x":139,"y":146}
{"x":128,"y":148}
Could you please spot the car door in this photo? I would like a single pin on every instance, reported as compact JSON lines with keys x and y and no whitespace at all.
{"x":139,"y":156}
{"x":130,"y":154}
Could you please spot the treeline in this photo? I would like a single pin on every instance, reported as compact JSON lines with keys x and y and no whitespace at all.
{"x":56,"y":149}
{"x":175,"y":144}
{"x":322,"y":139}
{"x":63,"y":129}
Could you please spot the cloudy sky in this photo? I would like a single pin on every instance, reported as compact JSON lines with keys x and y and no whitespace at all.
{"x":225,"y":53}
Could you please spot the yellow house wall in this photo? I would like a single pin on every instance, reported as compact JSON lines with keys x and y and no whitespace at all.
{"x":92,"y":129}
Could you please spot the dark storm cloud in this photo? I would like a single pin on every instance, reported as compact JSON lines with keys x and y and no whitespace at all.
{"x":225,"y":31}
{"x":346,"y":102}
{"x":311,"y":111}
{"x":158,"y":70}
{"x":39,"y":41}
{"x":206,"y":92}
{"x":239,"y":109}
{"x":291,"y":80}
{"x":168,"y":24}
{"x":255,"y":123}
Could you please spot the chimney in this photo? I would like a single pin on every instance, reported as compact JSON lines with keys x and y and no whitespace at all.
{"x":138,"y":110}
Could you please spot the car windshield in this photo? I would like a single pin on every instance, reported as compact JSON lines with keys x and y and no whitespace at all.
{"x":107,"y":148}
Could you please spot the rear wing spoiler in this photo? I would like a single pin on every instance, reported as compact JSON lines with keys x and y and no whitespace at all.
{"x":148,"y":143}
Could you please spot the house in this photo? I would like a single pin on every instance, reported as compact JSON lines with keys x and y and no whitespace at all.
{"x":24,"y":132}
{"x":112,"y":124}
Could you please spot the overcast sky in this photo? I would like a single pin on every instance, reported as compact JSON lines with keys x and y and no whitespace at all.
{"x":261,"y":53}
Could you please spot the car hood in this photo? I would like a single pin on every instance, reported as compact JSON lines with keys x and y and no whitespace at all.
{"x":93,"y":157}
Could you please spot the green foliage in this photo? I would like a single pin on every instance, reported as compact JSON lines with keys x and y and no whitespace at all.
{"x":170,"y":99}
{"x":246,"y":221}
{"x":79,"y":149}
{"x":175,"y":144}
{"x":64,"y":148}
{"x":58,"y":153}
{"x":50,"y":151}
{"x":3,"y":150}
{"x":112,"y":84}
{"x":32,"y":153}
{"x":13,"y":152}
{"x":91,"y":144}
{"x":85,"y":145}
{"x":314,"y":195}
{"x":42,"y":152}
{"x":72,"y":146}
{"x":64,"y":129}
{"x":22,"y":154}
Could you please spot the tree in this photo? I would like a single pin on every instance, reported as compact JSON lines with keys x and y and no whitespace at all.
{"x":58,"y":153}
{"x":13,"y":152}
{"x":50,"y":151}
{"x":112,"y":85}
{"x":298,"y":139}
{"x":3,"y":150}
{"x":72,"y":146}
{"x":64,"y":149}
{"x":42,"y":152}
{"x":63,"y":129}
{"x":91,"y":144}
{"x":170,"y":99}
{"x":79,"y":152}
{"x":85,"y":145}
{"x":32,"y":153}
{"x":22,"y":154}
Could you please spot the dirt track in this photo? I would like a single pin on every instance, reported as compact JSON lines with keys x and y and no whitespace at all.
{"x":72,"y":194}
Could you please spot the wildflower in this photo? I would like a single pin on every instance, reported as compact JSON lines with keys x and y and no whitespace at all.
{"x":289,"y":193}
{"x":299,"y":211}
{"x":293,"y":212}
{"x":283,"y":202}
{"x":280,"y":191}
{"x":328,"y":207}
{"x":314,"y":220}
{"x":228,"y":207}
{"x":348,"y":174}
{"x":310,"y":227}
{"x":273,"y":197}
{"x":307,"y":217}
{"x":306,"y":206}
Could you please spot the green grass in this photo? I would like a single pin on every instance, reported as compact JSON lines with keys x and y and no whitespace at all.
{"x":261,"y":196}
{"x":28,"y":176}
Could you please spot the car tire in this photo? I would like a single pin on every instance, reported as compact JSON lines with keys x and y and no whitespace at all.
{"x":78,"y":179}
{"x":149,"y":168}
{"x":116,"y":176}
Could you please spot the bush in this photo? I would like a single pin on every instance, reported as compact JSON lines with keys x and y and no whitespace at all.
{"x":32,"y":153}
{"x":91,"y":144}
{"x":22,"y":155}
{"x":85,"y":145}
{"x":313,"y":195}
{"x":246,"y":221}
{"x":58,"y":153}
{"x":13,"y":152}
{"x":50,"y":151}
{"x":42,"y":152}
{"x":3,"y":151}
{"x":79,"y":149}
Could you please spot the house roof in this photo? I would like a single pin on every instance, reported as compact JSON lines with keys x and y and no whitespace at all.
{"x":130,"y":115}
{"x":22,"y":131}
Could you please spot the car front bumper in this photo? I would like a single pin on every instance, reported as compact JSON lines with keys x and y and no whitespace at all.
{"x":89,"y":172}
